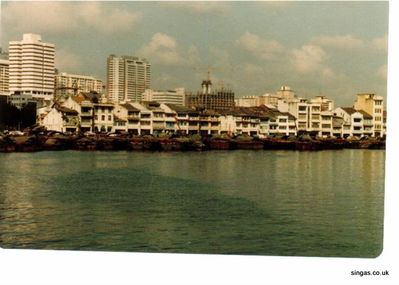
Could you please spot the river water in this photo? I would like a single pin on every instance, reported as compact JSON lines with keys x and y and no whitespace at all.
{"x":325,"y":203}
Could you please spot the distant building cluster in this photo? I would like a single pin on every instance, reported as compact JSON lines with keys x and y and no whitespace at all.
{"x":126,"y":103}
{"x":70,"y":84}
{"x":320,"y":117}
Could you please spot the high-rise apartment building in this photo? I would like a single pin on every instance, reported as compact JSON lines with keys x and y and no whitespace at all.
{"x":68,"y":84}
{"x":32,"y":67}
{"x":127,"y":78}
{"x":4,"y":73}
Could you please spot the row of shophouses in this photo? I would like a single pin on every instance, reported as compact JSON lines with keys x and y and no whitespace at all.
{"x":91,"y":112}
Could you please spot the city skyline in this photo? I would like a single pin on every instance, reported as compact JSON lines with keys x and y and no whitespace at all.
{"x":300,"y":44}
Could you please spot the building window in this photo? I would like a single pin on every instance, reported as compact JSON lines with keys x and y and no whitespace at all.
{"x":302,"y":117}
{"x":102,"y":117}
{"x":109,"y":118}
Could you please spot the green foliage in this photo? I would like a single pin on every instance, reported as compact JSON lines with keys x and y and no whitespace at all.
{"x":13,"y":118}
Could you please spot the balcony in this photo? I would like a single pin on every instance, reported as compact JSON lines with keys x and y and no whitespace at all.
{"x":86,"y":114}
{"x":133,"y":118}
{"x":158,"y":126}
{"x":70,"y":124}
{"x":158,"y":119}
{"x":86,"y":123}
{"x":146,"y":116}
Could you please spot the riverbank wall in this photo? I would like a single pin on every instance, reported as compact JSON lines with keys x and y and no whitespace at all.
{"x":57,"y":141}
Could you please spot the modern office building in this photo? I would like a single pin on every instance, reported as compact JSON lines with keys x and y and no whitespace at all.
{"x":31,"y":68}
{"x":127,"y":78}
{"x":69,"y":84}
{"x":254,"y":101}
{"x":175,"y":97}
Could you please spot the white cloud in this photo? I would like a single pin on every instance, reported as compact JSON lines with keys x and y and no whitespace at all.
{"x":66,"y":17}
{"x":261,"y":48}
{"x":380,"y":44}
{"x":338,"y":42}
{"x":311,"y":59}
{"x":163,"y":49}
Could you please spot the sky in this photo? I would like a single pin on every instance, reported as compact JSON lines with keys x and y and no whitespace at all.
{"x":336,"y":49}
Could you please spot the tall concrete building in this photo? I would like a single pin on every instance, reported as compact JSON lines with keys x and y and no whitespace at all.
{"x":32,"y":68}
{"x":4,"y":73}
{"x":127,"y":78}
{"x":69,"y":84}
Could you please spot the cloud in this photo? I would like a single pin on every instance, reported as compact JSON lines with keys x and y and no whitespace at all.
{"x":261,"y":48}
{"x":382,"y":72}
{"x":195,"y":7}
{"x":338,"y":42}
{"x":380,"y":44}
{"x":252,"y":69}
{"x":66,"y":61}
{"x":311,"y":59}
{"x":163,"y":49}
{"x":66,"y":17}
{"x":349,"y":42}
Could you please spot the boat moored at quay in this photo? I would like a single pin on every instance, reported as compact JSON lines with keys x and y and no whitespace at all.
{"x":49,"y":140}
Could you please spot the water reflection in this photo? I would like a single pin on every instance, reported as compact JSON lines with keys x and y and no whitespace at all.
{"x":327,"y":203}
